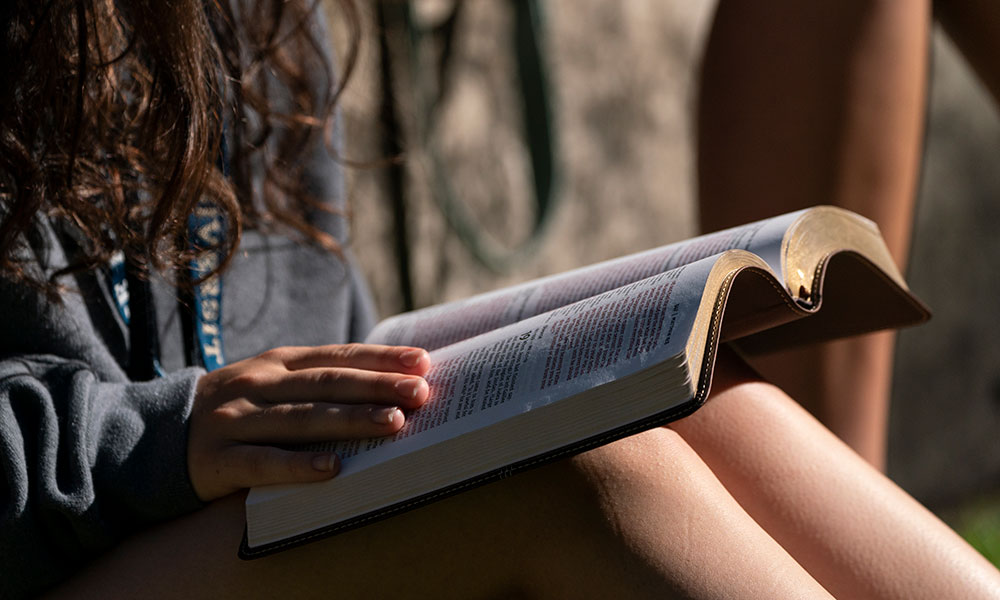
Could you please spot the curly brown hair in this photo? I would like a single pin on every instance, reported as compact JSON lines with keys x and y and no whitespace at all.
{"x":112,"y":115}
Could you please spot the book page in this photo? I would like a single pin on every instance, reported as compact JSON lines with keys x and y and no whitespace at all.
{"x":542,"y":360}
{"x":444,"y":324}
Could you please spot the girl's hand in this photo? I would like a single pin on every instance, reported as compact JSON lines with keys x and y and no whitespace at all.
{"x":295,"y":395}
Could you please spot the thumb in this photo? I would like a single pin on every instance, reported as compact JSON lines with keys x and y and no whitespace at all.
{"x":244,"y":466}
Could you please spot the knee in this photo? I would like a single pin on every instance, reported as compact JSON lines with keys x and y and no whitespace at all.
{"x":605,"y":497}
{"x":739,"y":399}
{"x":631,"y":466}
{"x":615,"y":514}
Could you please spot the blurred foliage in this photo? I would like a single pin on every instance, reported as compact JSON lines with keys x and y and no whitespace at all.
{"x":979,"y":524}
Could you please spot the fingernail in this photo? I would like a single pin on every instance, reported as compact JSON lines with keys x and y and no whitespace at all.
{"x":409,"y":388}
{"x":384,"y":416}
{"x":325,"y":462}
{"x":411,"y":358}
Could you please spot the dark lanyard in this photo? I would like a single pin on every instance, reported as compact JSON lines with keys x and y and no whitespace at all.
{"x":134,"y":298}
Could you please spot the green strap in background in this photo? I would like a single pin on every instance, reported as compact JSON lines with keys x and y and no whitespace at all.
{"x":528,"y":42}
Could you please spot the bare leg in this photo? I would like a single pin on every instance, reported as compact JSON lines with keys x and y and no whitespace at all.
{"x":808,"y":103}
{"x":640,"y":518}
{"x":849,"y":526}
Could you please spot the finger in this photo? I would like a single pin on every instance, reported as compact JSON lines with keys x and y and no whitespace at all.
{"x":373,"y":357}
{"x":245,"y":466}
{"x":345,"y":385}
{"x":297,"y":423}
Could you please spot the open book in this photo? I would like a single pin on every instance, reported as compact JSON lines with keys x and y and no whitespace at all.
{"x":565,"y":363}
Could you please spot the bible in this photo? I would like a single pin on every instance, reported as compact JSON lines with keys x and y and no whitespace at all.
{"x":565,"y":363}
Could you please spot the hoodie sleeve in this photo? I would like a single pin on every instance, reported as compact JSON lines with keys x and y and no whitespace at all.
{"x":85,"y":463}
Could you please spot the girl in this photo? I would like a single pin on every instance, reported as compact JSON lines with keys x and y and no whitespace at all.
{"x":168,"y":187}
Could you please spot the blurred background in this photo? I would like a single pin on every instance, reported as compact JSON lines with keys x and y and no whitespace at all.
{"x":620,"y":81}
